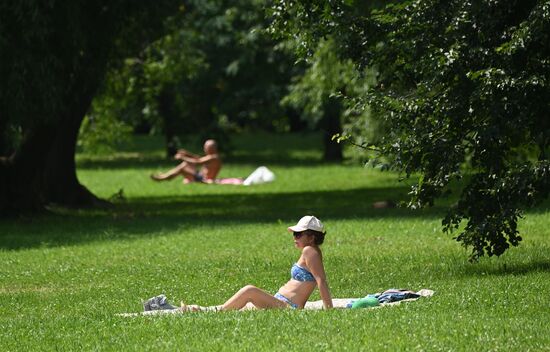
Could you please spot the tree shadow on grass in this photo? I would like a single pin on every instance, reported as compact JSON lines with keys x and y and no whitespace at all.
{"x":505,"y":269}
{"x":269,"y":207}
{"x":142,"y":217}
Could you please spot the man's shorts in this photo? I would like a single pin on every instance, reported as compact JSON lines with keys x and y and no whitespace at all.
{"x":198,"y":176}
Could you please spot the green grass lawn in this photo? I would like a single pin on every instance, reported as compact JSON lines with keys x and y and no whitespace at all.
{"x":64,"y":276}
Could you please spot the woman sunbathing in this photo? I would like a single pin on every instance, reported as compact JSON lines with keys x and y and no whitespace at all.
{"x":306,"y":274}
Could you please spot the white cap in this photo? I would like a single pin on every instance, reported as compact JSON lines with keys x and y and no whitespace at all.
{"x":308,"y":222}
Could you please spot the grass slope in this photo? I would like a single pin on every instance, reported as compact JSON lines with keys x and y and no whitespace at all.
{"x":64,"y":276}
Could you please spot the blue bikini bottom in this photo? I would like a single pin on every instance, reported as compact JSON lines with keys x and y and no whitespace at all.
{"x":282,"y":298}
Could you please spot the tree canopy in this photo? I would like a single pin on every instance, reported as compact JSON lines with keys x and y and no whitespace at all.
{"x":463,"y":87}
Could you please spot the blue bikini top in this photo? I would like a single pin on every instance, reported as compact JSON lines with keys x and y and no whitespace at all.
{"x":300,"y":274}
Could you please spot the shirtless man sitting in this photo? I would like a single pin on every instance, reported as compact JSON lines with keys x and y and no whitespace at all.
{"x":211,"y":165}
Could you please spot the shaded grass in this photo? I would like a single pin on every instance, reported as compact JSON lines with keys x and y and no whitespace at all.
{"x":148,"y":206}
{"x":63,"y":277}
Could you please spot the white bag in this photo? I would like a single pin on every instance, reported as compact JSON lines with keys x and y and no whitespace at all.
{"x":260,"y":175}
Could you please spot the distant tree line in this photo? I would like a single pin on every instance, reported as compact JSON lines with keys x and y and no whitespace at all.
{"x":215,"y":71}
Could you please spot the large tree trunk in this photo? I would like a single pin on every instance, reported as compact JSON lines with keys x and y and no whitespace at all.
{"x":22,"y":173}
{"x":61,"y":185}
{"x":59,"y":58}
{"x":166,"y":101}
{"x":43,"y":169}
{"x":295,"y":120}
{"x":332,"y":125}
{"x":5,"y":145}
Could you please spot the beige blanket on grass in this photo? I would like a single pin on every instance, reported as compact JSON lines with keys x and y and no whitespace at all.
{"x":314,"y":305}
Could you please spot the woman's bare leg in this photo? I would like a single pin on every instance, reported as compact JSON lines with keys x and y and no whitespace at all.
{"x":248,"y":297}
{"x":184,"y":169}
{"x":251,"y":294}
{"x":196,"y":308}
{"x":183,"y":152}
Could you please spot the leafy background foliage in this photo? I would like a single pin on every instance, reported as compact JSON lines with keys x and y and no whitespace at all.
{"x":215,"y":71}
{"x":464,"y":88}
{"x":454,"y":92}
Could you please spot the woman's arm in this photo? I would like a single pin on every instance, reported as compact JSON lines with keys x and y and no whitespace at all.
{"x":325,"y":293}
{"x":315,"y":265}
{"x":200,"y":160}
{"x":183,"y":152}
{"x":188,"y":159}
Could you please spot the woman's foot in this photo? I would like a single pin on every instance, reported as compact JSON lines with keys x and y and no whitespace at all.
{"x":189,"y":308}
{"x":156,"y":177}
